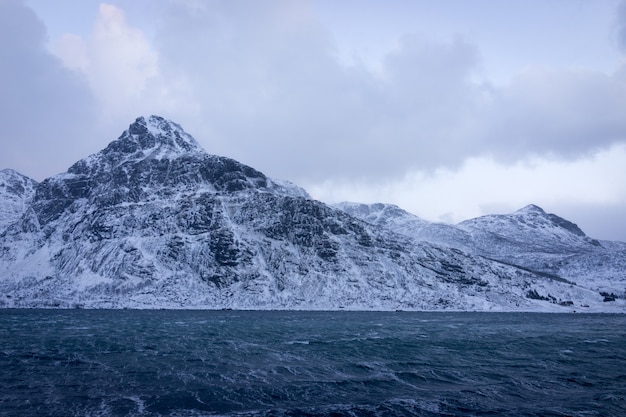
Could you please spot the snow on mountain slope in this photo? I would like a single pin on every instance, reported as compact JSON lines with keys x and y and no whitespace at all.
{"x":530,"y":227}
{"x":153,"y":221}
{"x":547,"y":243}
{"x":402,"y":222}
{"x":16,"y":192}
{"x":530,"y":239}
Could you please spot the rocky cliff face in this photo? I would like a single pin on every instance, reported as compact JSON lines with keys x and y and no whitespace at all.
{"x":153,"y":221}
{"x":16,"y":193}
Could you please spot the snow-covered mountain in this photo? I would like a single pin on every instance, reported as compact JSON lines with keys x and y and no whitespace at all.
{"x":153,"y":221}
{"x":16,"y":193}
{"x":400,"y":221}
{"x":546,"y":243}
{"x":530,"y":239}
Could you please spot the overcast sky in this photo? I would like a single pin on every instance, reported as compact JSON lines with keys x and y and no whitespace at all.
{"x":451,"y":109}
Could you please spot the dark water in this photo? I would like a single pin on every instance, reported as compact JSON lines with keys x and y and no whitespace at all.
{"x":196,"y":363}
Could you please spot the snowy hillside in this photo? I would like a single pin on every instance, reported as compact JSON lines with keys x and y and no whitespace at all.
{"x":153,"y":221}
{"x":394,"y":218}
{"x":530,"y":239}
{"x":529,"y":228}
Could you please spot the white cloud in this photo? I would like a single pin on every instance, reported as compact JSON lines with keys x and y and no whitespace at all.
{"x":72,"y":50}
{"x":482,"y":185}
{"x":118,"y":61}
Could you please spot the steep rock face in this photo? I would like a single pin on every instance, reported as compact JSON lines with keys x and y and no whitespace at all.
{"x":151,"y":204}
{"x":16,"y":193}
{"x":153,"y":160}
{"x":154,"y":221}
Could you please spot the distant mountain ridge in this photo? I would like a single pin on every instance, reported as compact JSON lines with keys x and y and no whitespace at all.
{"x":153,"y":221}
{"x":529,"y":238}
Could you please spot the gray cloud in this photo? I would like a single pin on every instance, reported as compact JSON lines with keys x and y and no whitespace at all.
{"x":272,"y":91}
{"x":269,"y":89}
{"x":264,"y":83}
{"x":42,"y":104}
{"x":620,"y":26}
{"x":566,"y":114}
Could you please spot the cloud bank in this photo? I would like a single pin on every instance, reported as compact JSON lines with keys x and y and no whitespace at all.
{"x":264,"y":83}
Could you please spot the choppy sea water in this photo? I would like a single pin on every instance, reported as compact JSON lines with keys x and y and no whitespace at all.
{"x":207,"y":363}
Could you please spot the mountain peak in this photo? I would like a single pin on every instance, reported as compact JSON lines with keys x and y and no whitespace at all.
{"x":13,"y":182}
{"x":553,"y":218}
{"x":147,"y":138}
{"x":8,"y":171}
{"x":159,"y":135}
{"x":531,"y":208}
